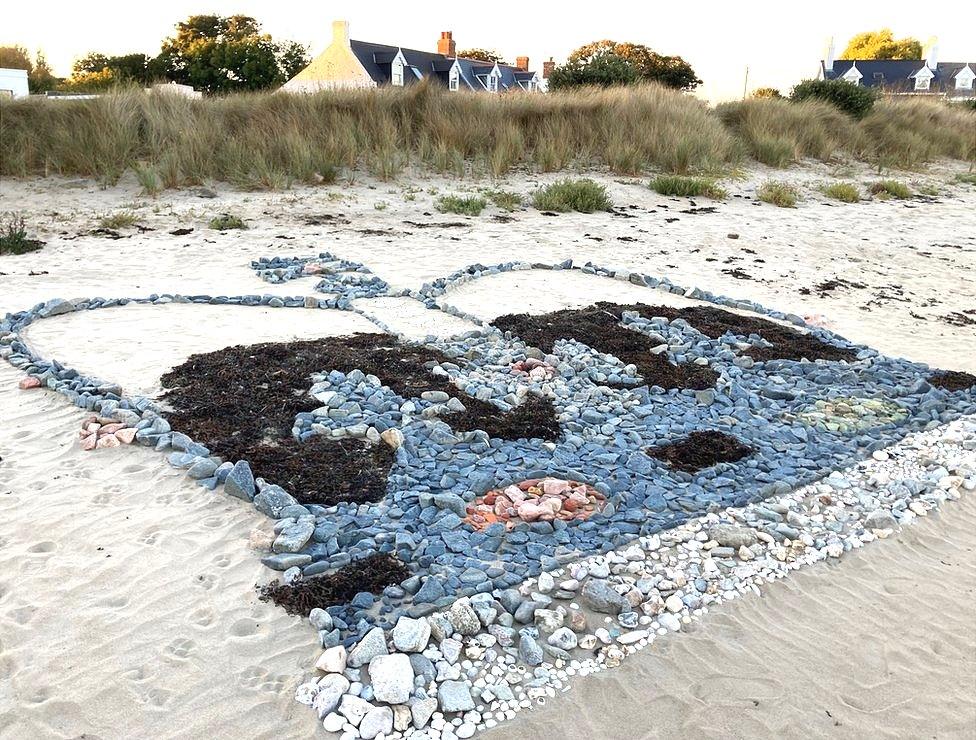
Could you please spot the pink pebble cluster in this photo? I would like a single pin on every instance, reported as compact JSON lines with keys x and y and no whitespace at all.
{"x":98,"y":432}
{"x":535,"y":500}
{"x":29,"y":382}
{"x":535,"y":369}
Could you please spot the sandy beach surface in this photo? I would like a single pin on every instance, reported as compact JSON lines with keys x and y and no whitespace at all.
{"x":127,"y":600}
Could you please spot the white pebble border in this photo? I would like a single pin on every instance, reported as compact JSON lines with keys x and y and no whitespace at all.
{"x":842,"y":512}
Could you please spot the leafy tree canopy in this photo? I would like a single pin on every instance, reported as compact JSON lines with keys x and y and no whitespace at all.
{"x":40,"y":78}
{"x":766,"y":92}
{"x":603,"y":69}
{"x":220,"y":54}
{"x":648,"y":65}
{"x":485,"y":55}
{"x":882,"y":45}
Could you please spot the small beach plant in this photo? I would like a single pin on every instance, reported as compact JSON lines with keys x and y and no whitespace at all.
{"x":779,"y":193}
{"x":583,"y":195}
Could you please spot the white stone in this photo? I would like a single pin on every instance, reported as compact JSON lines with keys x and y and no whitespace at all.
{"x":378,"y":721}
{"x":332,"y":660}
{"x":674,"y":603}
{"x":333,"y":722}
{"x":354,"y":709}
{"x":392,"y":678}
{"x":331,"y":689}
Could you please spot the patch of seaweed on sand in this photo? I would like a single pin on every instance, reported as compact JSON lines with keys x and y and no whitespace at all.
{"x":952,"y":380}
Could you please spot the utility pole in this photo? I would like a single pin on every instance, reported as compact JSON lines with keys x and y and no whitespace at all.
{"x":745,"y":85}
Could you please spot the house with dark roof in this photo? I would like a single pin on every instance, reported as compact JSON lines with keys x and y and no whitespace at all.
{"x":350,"y":63}
{"x":926,"y":76}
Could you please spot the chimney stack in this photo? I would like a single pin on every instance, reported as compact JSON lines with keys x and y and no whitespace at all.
{"x":547,"y":68}
{"x":522,"y":63}
{"x":340,"y":32}
{"x":932,"y":53}
{"x":445,"y":44}
{"x":829,"y":55}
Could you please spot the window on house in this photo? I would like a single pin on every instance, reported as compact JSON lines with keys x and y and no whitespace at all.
{"x":964,"y":82}
{"x":397,"y":73}
{"x":453,"y":82}
{"x":922,"y":83}
{"x":492,"y":83}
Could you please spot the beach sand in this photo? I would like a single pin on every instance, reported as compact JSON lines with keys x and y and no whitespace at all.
{"x":127,"y":601}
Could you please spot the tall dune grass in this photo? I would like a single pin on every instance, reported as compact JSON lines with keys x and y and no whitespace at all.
{"x":777,"y":132}
{"x":267,"y":140}
{"x":262,"y":140}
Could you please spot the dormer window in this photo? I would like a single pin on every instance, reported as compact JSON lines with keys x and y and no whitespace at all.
{"x":396,"y":72}
{"x":454,"y":80}
{"x":492,"y":83}
{"x":964,"y":80}
{"x":853,"y":76}
{"x":922,"y":82}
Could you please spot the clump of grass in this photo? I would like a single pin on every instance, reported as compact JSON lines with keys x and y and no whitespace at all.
{"x":928,"y":189}
{"x":226,"y":222}
{"x":148,"y":178}
{"x":504,"y":199}
{"x":843,"y":191}
{"x":967,"y":177}
{"x":464,"y":206}
{"x":890,"y":189}
{"x":584,"y":195}
{"x":779,"y":193}
{"x":14,"y":239}
{"x":118,"y":220}
{"x":688,"y":187}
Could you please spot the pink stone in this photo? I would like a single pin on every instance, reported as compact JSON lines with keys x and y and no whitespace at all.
{"x":555,"y":486}
{"x":111,"y":428}
{"x":28,"y":383}
{"x":108,"y":440}
{"x":126,"y":435}
{"x":89,"y":442}
{"x":530,"y":512}
{"x":93,"y":427}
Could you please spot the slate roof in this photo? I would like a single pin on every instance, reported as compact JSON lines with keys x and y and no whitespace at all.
{"x":377,"y":60}
{"x":897,"y":73}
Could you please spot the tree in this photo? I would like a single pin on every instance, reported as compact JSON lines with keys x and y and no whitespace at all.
{"x":648,"y":65}
{"x":882,"y":45}
{"x":40,"y":78}
{"x":484,"y":55}
{"x":220,"y":54}
{"x":766,"y":92}
{"x":124,"y":68}
{"x":603,"y":69}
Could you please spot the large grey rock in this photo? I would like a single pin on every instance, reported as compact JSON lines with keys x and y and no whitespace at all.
{"x":392,"y":678}
{"x":354,"y":709}
{"x":294,"y":537}
{"x":331,"y":689}
{"x":563,"y":638}
{"x":880,"y":519}
{"x":422,"y":710}
{"x":454,"y":696}
{"x":731,"y":535}
{"x":411,"y":635}
{"x":601,"y":597}
{"x":272,"y":500}
{"x":463,"y":618}
{"x":372,"y":644}
{"x":529,"y":651}
{"x":240,"y":481}
{"x":378,"y":721}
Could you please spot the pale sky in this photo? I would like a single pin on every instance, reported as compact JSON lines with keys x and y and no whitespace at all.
{"x":780,"y":41}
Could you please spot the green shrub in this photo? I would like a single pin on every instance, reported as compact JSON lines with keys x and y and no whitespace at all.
{"x":778,"y":193}
{"x":890,"y":189}
{"x":585,"y":196}
{"x":855,"y":100}
{"x":504,"y":199}
{"x":119,"y":220}
{"x":468,"y":206}
{"x":688,"y":187}
{"x":14,"y":239}
{"x":967,"y":177}
{"x":226,"y":222}
{"x":845,"y":191}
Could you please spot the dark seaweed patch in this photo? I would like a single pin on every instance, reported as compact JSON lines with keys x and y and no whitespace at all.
{"x":952,"y":380}
{"x":700,"y":450}
{"x":372,"y":574}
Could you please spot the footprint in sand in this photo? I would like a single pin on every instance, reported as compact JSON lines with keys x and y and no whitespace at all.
{"x":221,"y":561}
{"x":180,"y":648}
{"x":43,"y":547}
{"x":150,"y":536}
{"x":260,"y":679}
{"x":734,"y":690}
{"x":213,"y":522}
{"x":137,"y":674}
{"x":40,"y":695}
{"x":206,"y":581}
{"x":105,"y":497}
{"x":245,"y":628}
{"x":203,"y":617}
{"x":156,"y":697}
{"x":113,"y":602}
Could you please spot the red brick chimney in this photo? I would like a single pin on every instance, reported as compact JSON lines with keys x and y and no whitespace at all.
{"x":522,"y":63}
{"x":547,"y":68}
{"x":445,"y":44}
